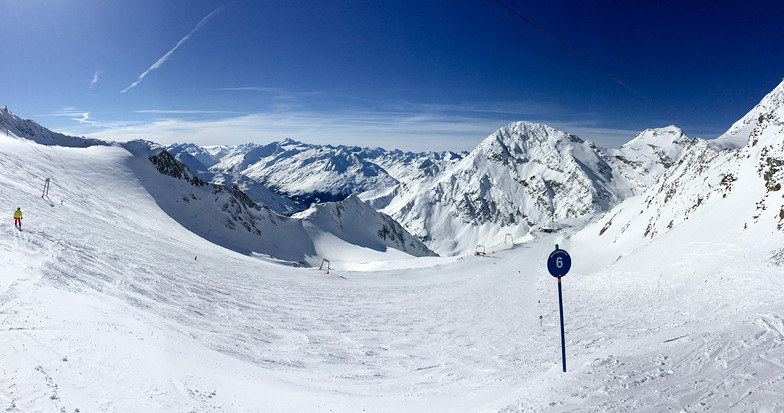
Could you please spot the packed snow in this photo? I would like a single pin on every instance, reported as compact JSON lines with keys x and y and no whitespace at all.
{"x":110,"y":304}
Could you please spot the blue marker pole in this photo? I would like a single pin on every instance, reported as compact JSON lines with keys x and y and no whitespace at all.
{"x":563,"y":338}
{"x":558,"y":263}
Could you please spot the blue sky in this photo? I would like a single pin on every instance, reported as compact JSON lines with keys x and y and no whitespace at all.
{"x":413,"y":75}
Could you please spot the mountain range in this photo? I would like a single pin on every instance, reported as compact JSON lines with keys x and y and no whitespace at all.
{"x":523,"y":178}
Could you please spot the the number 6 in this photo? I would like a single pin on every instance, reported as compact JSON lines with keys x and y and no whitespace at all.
{"x":559,"y":262}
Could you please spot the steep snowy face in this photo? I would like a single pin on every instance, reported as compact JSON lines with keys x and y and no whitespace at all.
{"x":26,"y":128}
{"x":725,"y":188}
{"x":222,"y":214}
{"x":525,"y":175}
{"x":643,"y":159}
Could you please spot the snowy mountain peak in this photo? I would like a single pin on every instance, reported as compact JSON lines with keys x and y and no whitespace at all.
{"x":525,"y":175}
{"x":289,"y":141}
{"x":520,"y":139}
{"x":643,"y":159}
{"x":661,"y":138}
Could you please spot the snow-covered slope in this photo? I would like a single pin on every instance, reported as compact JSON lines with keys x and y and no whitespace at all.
{"x":228,"y":217}
{"x":221,"y":214}
{"x":356,"y":223}
{"x":765,"y":117}
{"x":736,"y":188}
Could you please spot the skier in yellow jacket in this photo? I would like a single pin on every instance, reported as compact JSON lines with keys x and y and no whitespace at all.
{"x":18,"y":218}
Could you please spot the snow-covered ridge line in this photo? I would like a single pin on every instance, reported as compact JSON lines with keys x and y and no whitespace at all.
{"x":452,"y":201}
{"x":28,"y":129}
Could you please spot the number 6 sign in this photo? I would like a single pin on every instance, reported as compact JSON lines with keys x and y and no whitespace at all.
{"x":559,"y":263}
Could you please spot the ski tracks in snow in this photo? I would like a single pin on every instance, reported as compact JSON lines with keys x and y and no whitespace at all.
{"x":692,"y":336}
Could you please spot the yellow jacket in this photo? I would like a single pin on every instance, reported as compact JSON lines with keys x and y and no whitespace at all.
{"x":18,"y":213}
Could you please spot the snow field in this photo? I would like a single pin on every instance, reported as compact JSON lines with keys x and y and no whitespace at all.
{"x":104,"y":308}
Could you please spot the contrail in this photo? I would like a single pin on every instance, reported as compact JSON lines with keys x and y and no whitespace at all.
{"x":166,"y":56}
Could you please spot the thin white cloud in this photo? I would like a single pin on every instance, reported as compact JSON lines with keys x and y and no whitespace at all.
{"x":166,"y":56}
{"x":95,"y":78}
{"x":280,"y":93}
{"x":84,"y":119}
{"x":254,"y":89}
{"x":391,"y":130}
{"x":67,"y":112}
{"x":392,"y":125}
{"x":185,"y":112}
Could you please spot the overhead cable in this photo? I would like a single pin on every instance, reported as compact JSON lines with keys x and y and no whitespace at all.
{"x":606,"y":73}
